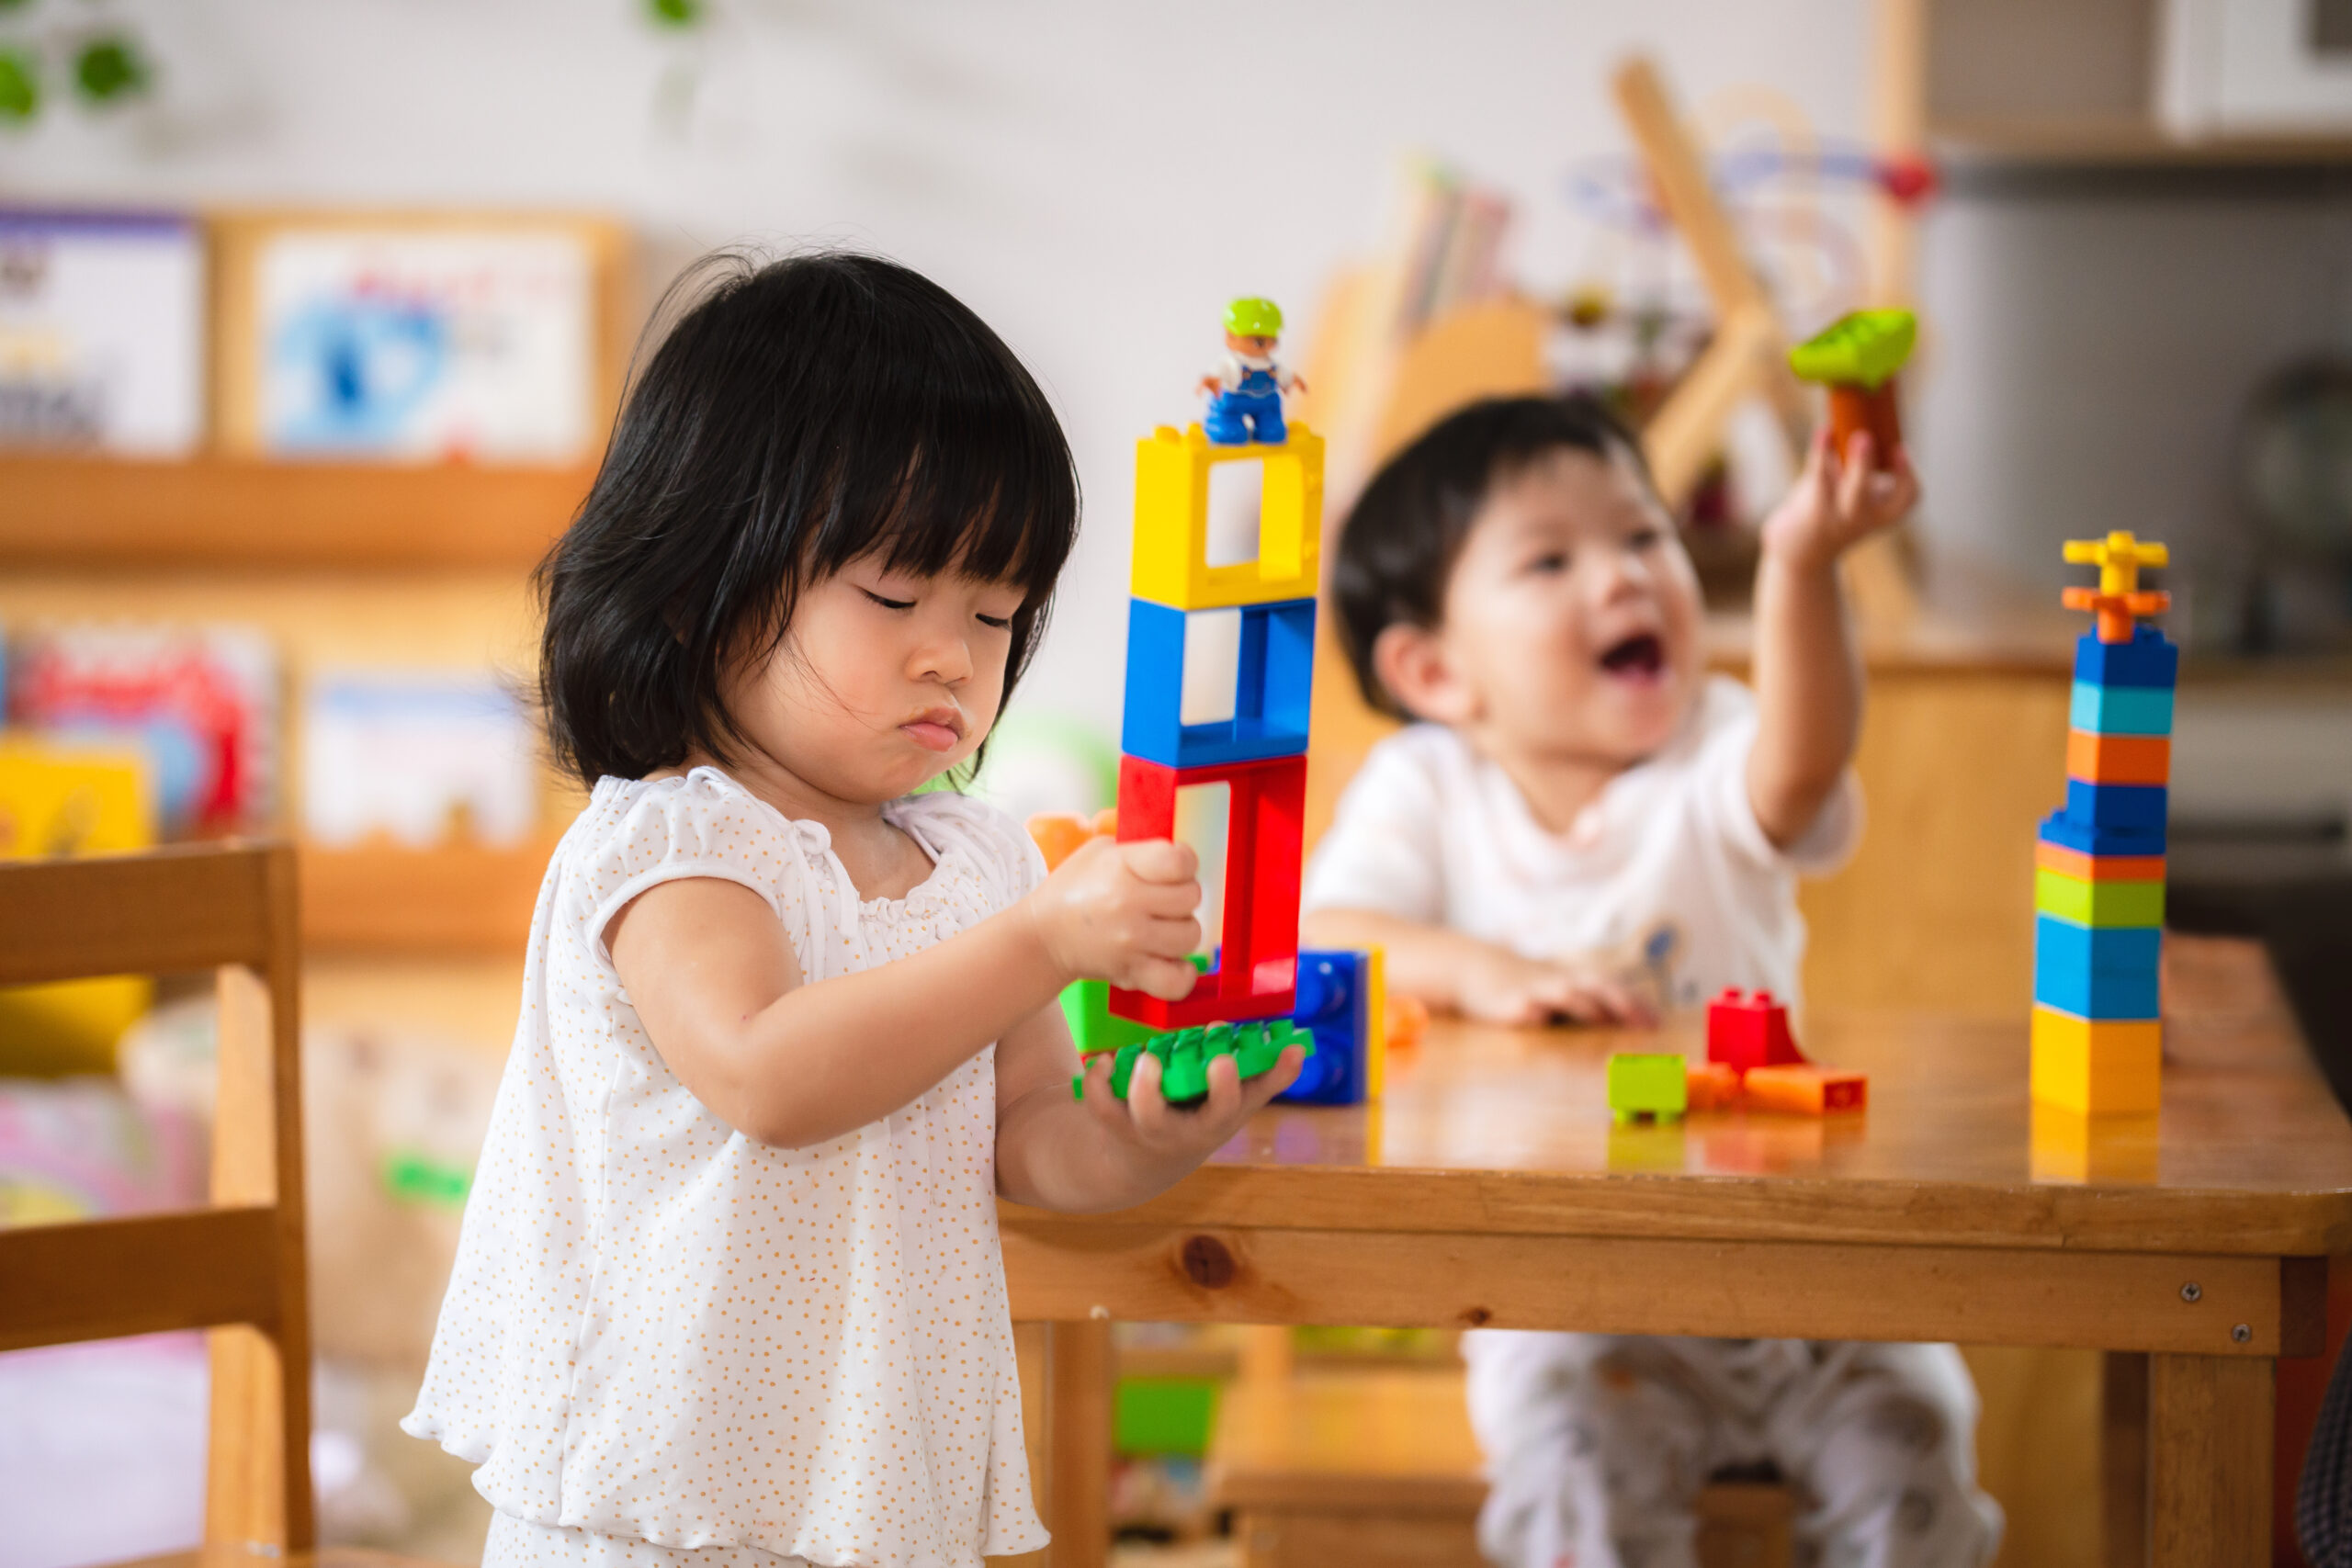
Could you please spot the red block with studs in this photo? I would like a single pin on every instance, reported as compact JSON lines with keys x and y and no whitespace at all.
{"x":1749,"y":1029}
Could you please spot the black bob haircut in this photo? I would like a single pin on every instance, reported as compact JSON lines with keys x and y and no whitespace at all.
{"x":801,"y":415}
{"x":1405,"y":532}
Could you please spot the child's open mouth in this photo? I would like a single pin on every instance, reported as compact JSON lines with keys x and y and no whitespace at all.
{"x":1642,"y":656}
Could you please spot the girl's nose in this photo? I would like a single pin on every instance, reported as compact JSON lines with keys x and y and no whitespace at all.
{"x":945,"y":658}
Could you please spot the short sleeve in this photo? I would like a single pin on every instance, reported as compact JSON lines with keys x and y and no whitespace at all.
{"x":1730,"y":720}
{"x":671,"y":830}
{"x":1382,"y":851}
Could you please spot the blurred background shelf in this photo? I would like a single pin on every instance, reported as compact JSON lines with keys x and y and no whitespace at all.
{"x":456,"y":900}
{"x":226,"y":512}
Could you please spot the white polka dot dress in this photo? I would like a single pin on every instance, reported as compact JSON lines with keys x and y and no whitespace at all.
{"x":662,"y":1337}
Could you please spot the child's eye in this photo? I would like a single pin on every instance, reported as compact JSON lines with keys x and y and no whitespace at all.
{"x":1549,"y":562}
{"x":888,"y":603}
{"x":1644,"y":537}
{"x":999,"y":622}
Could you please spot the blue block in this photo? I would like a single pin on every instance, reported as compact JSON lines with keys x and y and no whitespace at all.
{"x":2135,"y":809}
{"x":2149,"y":659}
{"x":2087,"y":838}
{"x":2121,"y":710}
{"x":2096,"y":971}
{"x":1335,"y":1002}
{"x":1270,"y":698}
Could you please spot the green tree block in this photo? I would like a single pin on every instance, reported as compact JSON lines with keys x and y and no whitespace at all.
{"x":2090,"y":903}
{"x":1644,"y":1083}
{"x":1185,"y":1053}
{"x":1860,"y":350}
{"x":1092,"y":1025}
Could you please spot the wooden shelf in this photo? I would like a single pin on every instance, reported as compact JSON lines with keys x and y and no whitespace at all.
{"x":459,"y":900}
{"x":223,"y":511}
{"x":2127,"y":142}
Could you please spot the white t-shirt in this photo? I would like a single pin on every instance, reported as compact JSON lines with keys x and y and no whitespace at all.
{"x":662,"y":1329}
{"x":1667,"y":872}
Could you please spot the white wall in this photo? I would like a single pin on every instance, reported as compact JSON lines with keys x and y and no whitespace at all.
{"x":1094,"y":178}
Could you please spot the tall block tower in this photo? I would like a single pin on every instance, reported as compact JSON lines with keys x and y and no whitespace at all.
{"x":1256,"y":745}
{"x":2099,"y":867}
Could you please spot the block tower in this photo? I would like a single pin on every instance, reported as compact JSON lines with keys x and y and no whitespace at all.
{"x":2099,"y":867}
{"x":1258,"y":747}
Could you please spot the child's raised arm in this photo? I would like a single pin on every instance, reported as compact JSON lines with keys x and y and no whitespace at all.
{"x":1808,"y":677}
{"x":713,"y":976}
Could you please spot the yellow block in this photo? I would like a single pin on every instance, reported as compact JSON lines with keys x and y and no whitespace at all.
{"x":1376,"y":1022}
{"x":2097,"y":1067}
{"x":1171,"y":543}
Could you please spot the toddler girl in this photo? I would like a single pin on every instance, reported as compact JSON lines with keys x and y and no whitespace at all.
{"x":729,"y":1292}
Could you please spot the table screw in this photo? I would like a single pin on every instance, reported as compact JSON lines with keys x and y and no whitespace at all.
{"x":2242,"y":1334}
{"x":2192,"y":1292}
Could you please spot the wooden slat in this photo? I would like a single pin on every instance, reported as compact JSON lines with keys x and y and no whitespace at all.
{"x":1618,"y":1285}
{"x":163,"y":911}
{"x":2123,"y":1460}
{"x":2209,"y":1462}
{"x":148,"y":1274}
{"x":1078,"y":1436}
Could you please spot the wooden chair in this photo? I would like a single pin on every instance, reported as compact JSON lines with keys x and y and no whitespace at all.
{"x":237,"y":1267}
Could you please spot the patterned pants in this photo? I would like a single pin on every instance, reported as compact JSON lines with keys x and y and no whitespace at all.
{"x":1597,"y":1446}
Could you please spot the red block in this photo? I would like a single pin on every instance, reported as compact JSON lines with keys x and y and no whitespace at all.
{"x":1749,"y":1029}
{"x":1257,"y":972}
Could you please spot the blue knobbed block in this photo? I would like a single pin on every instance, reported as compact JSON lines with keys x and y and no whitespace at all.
{"x":2135,"y":809}
{"x":2096,"y":971}
{"x":2121,"y":710}
{"x":2063,"y":830}
{"x":1335,"y":1001}
{"x":2149,"y":659}
{"x":1270,"y":695}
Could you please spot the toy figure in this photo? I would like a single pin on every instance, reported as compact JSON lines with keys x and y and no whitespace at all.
{"x":1856,"y":358}
{"x":1246,"y":397}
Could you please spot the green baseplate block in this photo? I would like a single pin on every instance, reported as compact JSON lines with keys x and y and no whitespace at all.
{"x":1185,"y":1053}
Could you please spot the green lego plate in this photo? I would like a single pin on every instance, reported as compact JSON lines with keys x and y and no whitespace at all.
{"x":1184,"y":1056}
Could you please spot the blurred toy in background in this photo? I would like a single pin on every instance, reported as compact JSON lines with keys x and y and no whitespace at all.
{"x":1246,"y":396}
{"x":1856,"y":358}
{"x":102,"y":331}
{"x":1045,"y":762}
{"x":1343,"y":1001}
{"x":426,"y":757}
{"x":201,"y":702}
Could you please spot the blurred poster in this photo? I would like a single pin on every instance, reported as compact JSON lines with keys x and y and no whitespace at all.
{"x":426,"y":344}
{"x":101,"y":332}
{"x":426,"y":757}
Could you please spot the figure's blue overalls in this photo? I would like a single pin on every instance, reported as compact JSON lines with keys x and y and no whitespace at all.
{"x":1252,"y":410}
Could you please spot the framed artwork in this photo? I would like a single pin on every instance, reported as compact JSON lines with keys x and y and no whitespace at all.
{"x":101,"y":333}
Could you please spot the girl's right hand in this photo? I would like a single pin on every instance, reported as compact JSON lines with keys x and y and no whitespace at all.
{"x":1123,"y":913}
{"x":1501,"y":987}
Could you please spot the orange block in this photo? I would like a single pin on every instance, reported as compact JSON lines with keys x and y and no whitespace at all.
{"x":2118,"y":758}
{"x":1711,"y":1086}
{"x":1811,"y":1090}
{"x":2098,"y":868}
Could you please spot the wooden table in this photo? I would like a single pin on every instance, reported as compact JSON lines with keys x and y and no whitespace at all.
{"x":1489,"y":1188}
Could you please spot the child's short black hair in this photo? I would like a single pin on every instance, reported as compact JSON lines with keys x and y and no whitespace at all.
{"x":1402,"y":538}
{"x":803,"y":414}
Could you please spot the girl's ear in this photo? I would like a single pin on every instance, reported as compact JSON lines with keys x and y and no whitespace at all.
{"x":1414,"y":666}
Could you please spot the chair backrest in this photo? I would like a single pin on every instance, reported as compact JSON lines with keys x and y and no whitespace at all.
{"x":237,"y":1267}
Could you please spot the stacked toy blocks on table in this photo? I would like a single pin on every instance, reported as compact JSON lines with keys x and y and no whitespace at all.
{"x":2099,"y":867}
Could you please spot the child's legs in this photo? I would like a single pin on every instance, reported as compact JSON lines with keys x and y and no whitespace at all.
{"x":1596,"y":1446}
{"x":1880,"y":1442}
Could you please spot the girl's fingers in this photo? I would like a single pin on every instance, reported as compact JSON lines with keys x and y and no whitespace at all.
{"x":1854,"y":484}
{"x":1168,"y":979}
{"x":1224,"y":1089}
{"x":1175,"y":938}
{"x":1169,"y":900}
{"x":1162,"y":860}
{"x":1145,"y":1106}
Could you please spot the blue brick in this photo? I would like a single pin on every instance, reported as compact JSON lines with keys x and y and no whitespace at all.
{"x":1270,"y":700}
{"x":2088,"y":838}
{"x":2149,"y":659}
{"x":2121,"y":710}
{"x":2135,"y":809}
{"x":1334,"y":1001}
{"x":2096,"y":971}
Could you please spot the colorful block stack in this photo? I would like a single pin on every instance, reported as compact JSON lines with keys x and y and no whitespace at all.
{"x":2099,"y":867}
{"x":1258,"y":751}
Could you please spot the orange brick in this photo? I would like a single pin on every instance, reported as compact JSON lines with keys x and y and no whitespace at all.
{"x":2118,"y":758}
{"x":1811,"y":1090}
{"x":2098,"y":868}
{"x":1711,"y":1086}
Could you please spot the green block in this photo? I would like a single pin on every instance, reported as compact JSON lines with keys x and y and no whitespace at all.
{"x":1645,"y":1083}
{"x":1860,"y":350}
{"x":1087,"y":1005}
{"x":2088,"y":903}
{"x":1163,"y":1415}
{"x":1185,"y":1053}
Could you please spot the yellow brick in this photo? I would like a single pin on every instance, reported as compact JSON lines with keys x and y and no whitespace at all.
{"x":2097,"y":1067}
{"x":1171,"y":535}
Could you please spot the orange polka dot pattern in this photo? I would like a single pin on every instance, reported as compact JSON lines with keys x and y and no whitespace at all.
{"x":663,"y":1331}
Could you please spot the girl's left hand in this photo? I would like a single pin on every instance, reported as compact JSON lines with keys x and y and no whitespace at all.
{"x":1840,"y":499}
{"x":1158,"y":1131}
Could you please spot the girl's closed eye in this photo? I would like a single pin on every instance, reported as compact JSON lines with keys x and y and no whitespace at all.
{"x":1548,"y":563}
{"x":885,"y":603}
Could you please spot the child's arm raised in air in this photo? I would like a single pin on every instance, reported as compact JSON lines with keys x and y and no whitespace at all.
{"x":1808,"y":677}
{"x":1455,"y":972}
{"x":713,"y":976}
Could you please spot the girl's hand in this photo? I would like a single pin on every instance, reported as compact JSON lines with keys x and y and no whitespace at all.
{"x":1160,"y":1134}
{"x":1123,"y":913}
{"x":1839,"y":501}
{"x":1501,"y":987}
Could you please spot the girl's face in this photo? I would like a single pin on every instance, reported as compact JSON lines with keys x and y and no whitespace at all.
{"x":883,"y":680}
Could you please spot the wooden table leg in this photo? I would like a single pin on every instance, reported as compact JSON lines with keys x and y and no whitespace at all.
{"x":2123,"y":1460}
{"x":1078,"y":1442}
{"x":2208,"y":1460}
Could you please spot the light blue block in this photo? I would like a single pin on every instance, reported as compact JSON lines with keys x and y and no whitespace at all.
{"x":2121,"y":710}
{"x":2096,"y":971}
{"x":1271,"y":696}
